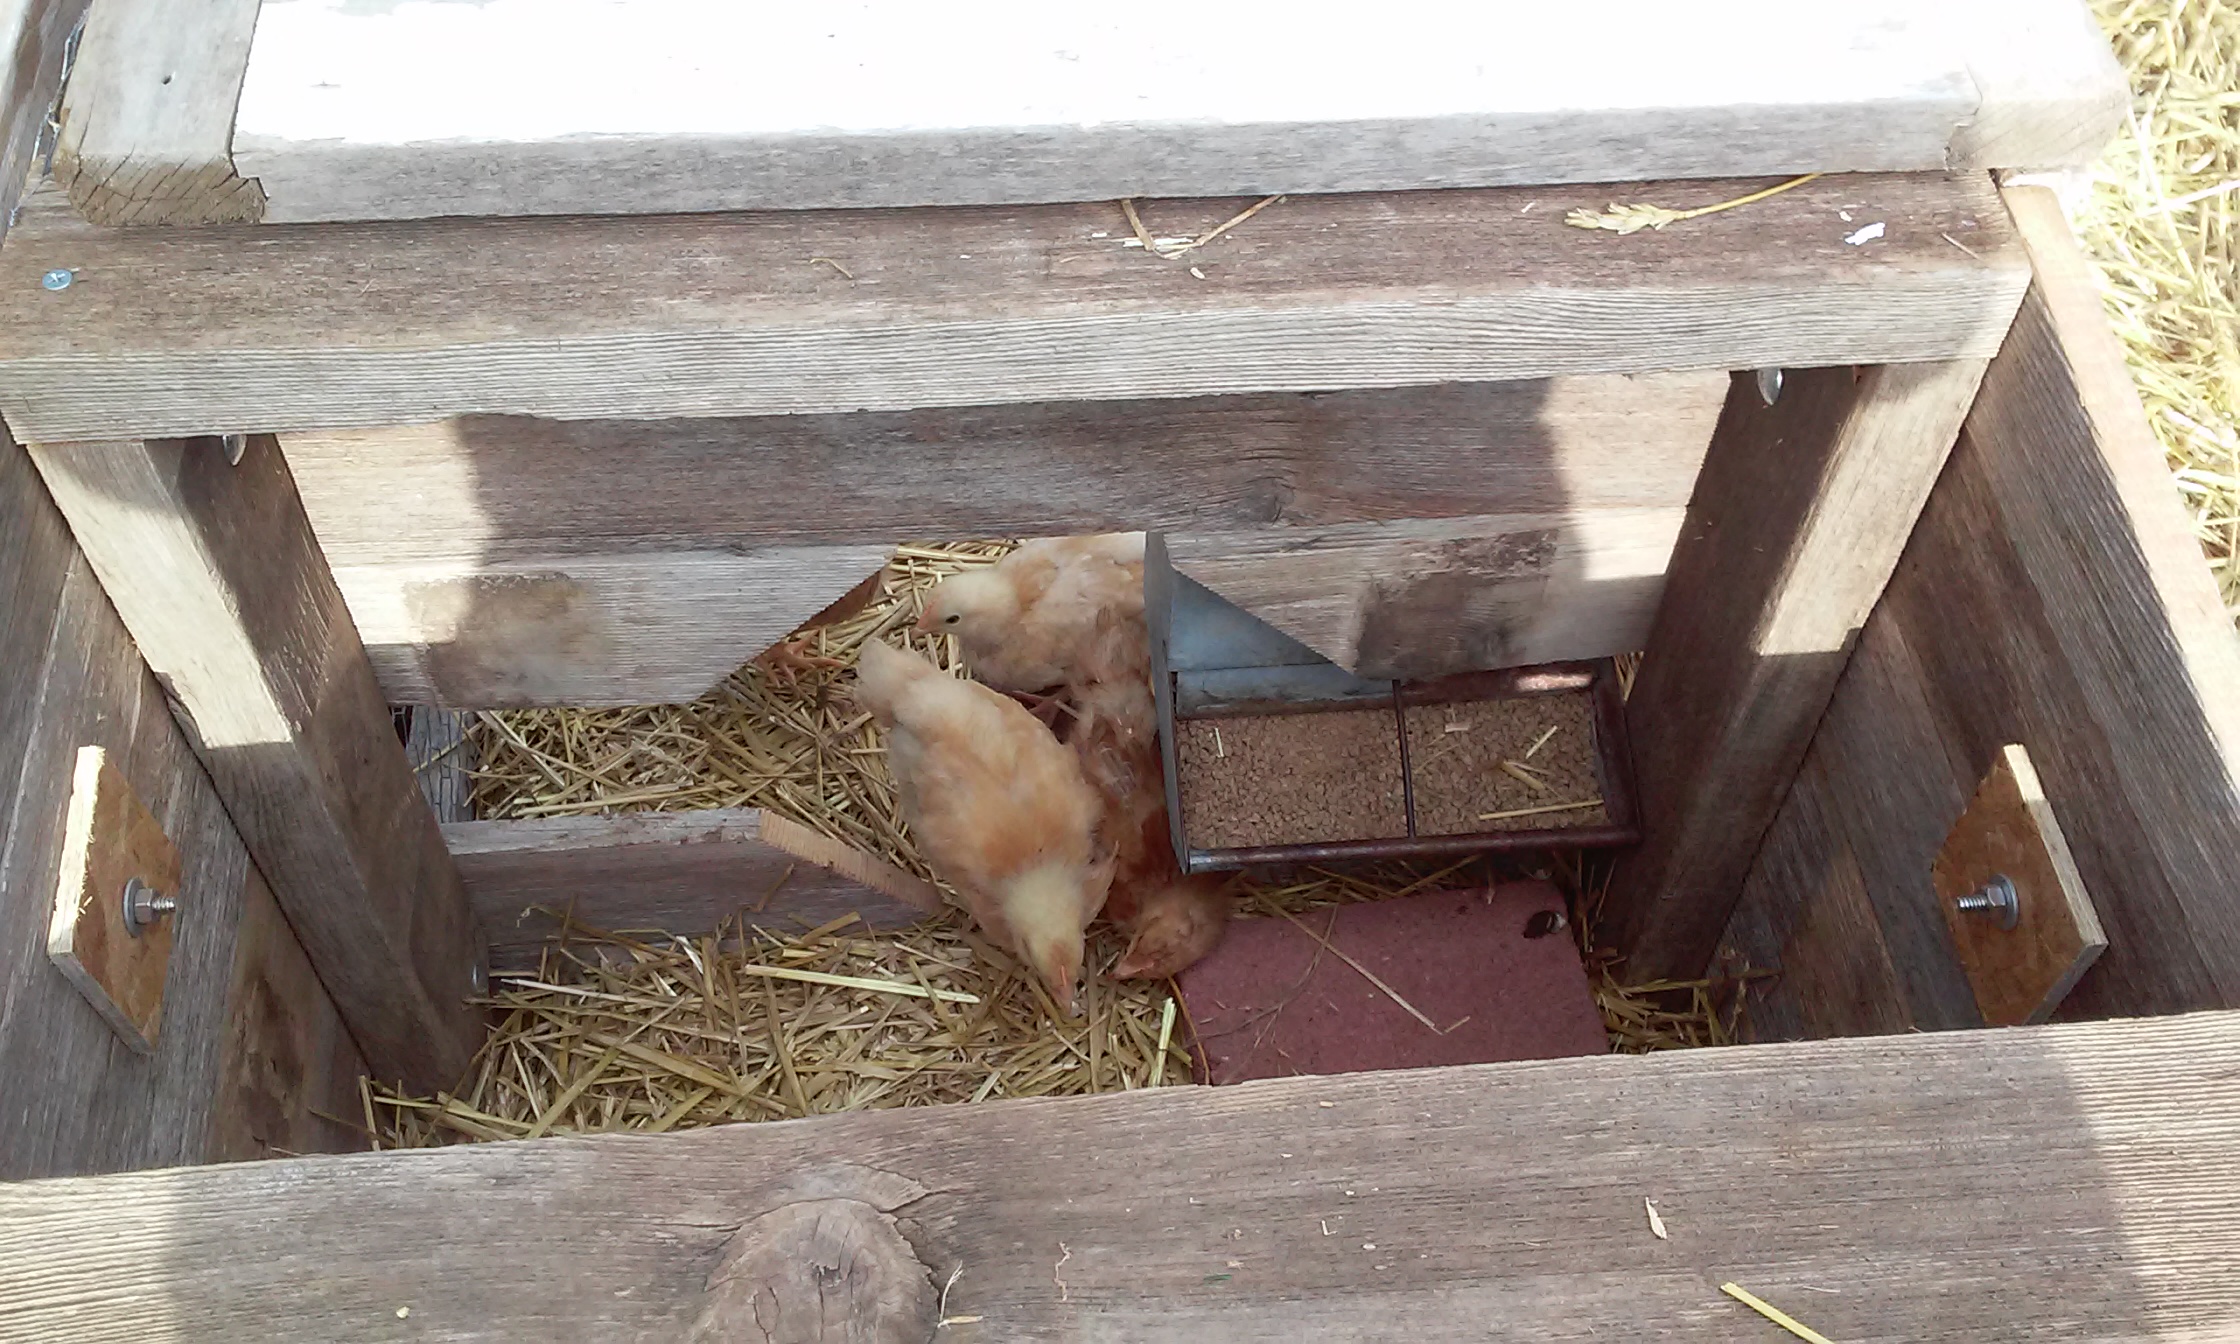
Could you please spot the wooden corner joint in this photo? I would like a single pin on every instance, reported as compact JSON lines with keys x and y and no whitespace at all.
{"x":2020,"y":918}
{"x":110,"y":932}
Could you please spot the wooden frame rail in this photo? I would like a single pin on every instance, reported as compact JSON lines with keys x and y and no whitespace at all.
{"x":493,"y":561}
{"x":881,"y":106}
{"x":1802,"y":510}
{"x":245,"y":328}
{"x":2067,"y":1181}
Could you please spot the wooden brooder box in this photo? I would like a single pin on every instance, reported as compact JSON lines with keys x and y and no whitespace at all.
{"x":1276,"y":755}
{"x":359,"y":361}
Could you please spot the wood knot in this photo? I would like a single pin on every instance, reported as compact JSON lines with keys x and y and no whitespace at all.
{"x":819,"y":1271}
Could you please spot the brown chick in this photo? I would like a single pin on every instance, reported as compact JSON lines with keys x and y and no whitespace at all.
{"x":998,"y":806}
{"x":1171,"y":920}
{"x":1175,"y":927}
{"x":1058,"y":610}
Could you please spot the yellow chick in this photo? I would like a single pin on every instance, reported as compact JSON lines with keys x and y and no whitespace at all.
{"x":999,"y":807}
{"x":1056,"y":611}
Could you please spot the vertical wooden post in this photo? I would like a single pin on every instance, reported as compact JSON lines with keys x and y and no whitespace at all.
{"x":216,"y":573}
{"x":1796,"y":524}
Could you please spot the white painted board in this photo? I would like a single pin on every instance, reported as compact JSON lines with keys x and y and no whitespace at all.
{"x":378,"y":109}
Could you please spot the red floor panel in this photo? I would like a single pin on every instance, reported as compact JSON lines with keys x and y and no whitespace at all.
{"x":1271,"y":1002}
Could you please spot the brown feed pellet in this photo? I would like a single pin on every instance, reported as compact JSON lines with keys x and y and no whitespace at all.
{"x":1455,"y":754}
{"x":1290,"y":779}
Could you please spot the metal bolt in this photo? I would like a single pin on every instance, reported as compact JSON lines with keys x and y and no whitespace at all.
{"x":144,"y":905}
{"x":1769,"y":385}
{"x":235,"y":445}
{"x":1995,"y":899}
{"x":56,"y":279}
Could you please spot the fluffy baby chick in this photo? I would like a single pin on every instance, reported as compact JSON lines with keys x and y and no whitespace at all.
{"x":1175,"y":926}
{"x":1057,"y":611}
{"x":999,"y":808}
{"x":1171,"y":920}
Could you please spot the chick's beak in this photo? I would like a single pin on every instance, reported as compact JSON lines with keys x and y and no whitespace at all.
{"x":1060,"y":975}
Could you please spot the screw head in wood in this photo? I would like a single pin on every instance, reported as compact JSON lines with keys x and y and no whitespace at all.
{"x":144,"y":905}
{"x":1994,"y":900}
{"x":56,"y":280}
{"x":1769,"y":385}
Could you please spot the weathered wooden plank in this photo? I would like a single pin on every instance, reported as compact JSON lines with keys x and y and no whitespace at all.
{"x":443,"y":757}
{"x":288,"y":1074}
{"x":1801,"y":514}
{"x":2148,"y":641}
{"x":2052,"y":93}
{"x":1837,"y":975}
{"x":1455,"y":594}
{"x":36,"y":37}
{"x":1839,"y":953}
{"x":1876,"y":793}
{"x":2065,"y":1182}
{"x":219,"y":578}
{"x":628,"y":628}
{"x":109,"y":842}
{"x":684,"y":873}
{"x":147,"y":123}
{"x":2160,"y":823}
{"x":77,"y":1099}
{"x":883,"y":105}
{"x":2053,"y":596}
{"x":508,"y":487}
{"x":35,"y":558}
{"x":264,"y":328}
{"x":493,"y":561}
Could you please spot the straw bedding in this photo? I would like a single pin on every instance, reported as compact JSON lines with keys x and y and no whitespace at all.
{"x":636,"y":1030}
{"x":632,"y":1029}
{"x":2159,"y":224}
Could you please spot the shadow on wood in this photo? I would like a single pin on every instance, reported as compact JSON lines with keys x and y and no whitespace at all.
{"x":494,"y":560}
{"x":2052,"y":596}
{"x":215,"y":572}
{"x":76,"y":1101}
{"x":1800,"y":515}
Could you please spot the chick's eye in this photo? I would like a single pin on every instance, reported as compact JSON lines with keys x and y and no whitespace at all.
{"x":951,"y":620}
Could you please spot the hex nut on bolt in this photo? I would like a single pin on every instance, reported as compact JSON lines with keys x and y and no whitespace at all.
{"x":1995,"y":900}
{"x":144,"y":905}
